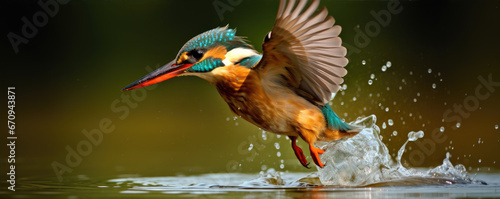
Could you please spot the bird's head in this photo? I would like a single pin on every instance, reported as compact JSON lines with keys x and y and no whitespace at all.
{"x":201,"y":54}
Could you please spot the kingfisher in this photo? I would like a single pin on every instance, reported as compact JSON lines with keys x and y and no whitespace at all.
{"x":286,"y":89}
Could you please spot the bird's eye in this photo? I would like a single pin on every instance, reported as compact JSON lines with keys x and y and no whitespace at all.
{"x":197,"y":54}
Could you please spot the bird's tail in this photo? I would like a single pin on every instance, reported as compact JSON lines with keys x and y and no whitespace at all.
{"x":337,"y":129}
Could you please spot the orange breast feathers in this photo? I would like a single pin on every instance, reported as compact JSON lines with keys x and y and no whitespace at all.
{"x":230,"y":79}
{"x":241,"y":88}
{"x":271,"y":107}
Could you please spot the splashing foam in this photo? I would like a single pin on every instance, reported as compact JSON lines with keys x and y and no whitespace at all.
{"x":365,"y":160}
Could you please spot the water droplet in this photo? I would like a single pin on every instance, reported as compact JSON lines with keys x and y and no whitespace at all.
{"x":429,"y":70}
{"x":282,"y":166}
{"x":372,"y":76}
{"x":278,"y":136}
{"x":418,"y":94}
{"x":354,"y":99}
{"x":390,"y":122}
{"x":441,"y":129}
{"x":389,"y":64}
{"x":370,"y":82}
{"x":412,"y":136}
{"x":344,"y":86}
{"x":250,"y":147}
{"x":394,"y":133}
{"x":386,"y":109}
{"x":227,"y":119}
{"x":235,"y":118}
{"x":414,"y":99}
{"x":264,"y":135}
{"x":496,"y":126}
{"x":263,"y":167}
{"x":278,"y":154}
{"x":411,"y":72}
{"x":236,"y":124}
{"x":384,"y":68}
{"x":363,"y":62}
{"x":458,"y":125}
{"x":479,"y":160}
{"x":434,"y":85}
{"x":277,"y":145}
{"x":479,"y":141}
{"x":384,"y":125}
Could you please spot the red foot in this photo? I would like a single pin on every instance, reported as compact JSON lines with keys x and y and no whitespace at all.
{"x":315,"y":156}
{"x":299,"y":153}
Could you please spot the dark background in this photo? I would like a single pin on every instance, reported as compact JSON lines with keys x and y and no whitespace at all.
{"x":70,"y":73}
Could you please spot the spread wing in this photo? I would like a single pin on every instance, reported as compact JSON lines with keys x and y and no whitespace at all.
{"x":304,"y":51}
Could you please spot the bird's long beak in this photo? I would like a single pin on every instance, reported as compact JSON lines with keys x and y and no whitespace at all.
{"x":163,"y":73}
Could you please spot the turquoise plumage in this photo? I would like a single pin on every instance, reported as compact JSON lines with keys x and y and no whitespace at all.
{"x":250,"y":61}
{"x":206,"y":65}
{"x":334,"y":122}
{"x":223,"y":36}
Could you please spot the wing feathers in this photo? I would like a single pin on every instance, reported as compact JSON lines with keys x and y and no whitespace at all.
{"x":281,"y":9}
{"x":306,"y":14}
{"x":289,"y":8}
{"x":307,"y":44}
{"x":300,"y":6}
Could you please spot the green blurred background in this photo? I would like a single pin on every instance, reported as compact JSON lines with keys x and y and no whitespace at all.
{"x":68,"y":78}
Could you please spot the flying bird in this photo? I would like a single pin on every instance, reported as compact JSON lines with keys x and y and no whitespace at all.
{"x":286,"y":89}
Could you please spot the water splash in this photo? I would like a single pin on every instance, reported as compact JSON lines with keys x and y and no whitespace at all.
{"x":412,"y":136}
{"x":268,"y":178}
{"x":364,"y":159}
{"x":355,"y":161}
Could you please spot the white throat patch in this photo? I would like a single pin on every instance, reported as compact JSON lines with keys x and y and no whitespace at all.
{"x":237,"y":54}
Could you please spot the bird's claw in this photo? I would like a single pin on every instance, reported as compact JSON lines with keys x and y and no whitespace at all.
{"x":302,"y":158}
{"x":315,"y":155}
{"x":299,"y":153}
